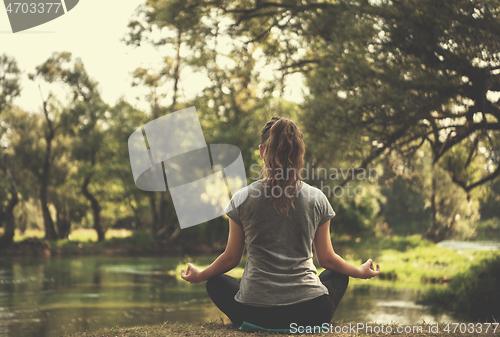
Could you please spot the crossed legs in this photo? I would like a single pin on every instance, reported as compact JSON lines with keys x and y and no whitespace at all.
{"x":223,"y":288}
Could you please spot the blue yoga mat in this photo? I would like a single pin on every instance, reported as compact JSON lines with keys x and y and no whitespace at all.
{"x":254,"y":328}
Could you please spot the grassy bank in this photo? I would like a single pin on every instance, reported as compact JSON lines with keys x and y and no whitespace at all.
{"x":81,"y":235}
{"x":407,"y":262}
{"x":216,"y":329}
{"x":473,"y":293}
{"x":117,"y":242}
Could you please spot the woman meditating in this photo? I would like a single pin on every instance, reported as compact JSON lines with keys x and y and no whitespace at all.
{"x":280,"y":218}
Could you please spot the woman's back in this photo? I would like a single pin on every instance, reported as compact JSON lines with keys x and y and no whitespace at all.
{"x":279,"y":218}
{"x":279,"y":268}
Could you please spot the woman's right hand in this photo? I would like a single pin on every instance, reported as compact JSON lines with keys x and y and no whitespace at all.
{"x":367,"y":270}
{"x":192,"y":275}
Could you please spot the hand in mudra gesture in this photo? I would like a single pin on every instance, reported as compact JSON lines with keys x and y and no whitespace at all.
{"x":367,"y":270}
{"x":192,"y":275}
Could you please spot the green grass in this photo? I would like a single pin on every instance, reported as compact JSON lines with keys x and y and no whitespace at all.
{"x":473,"y":292}
{"x":29,"y":233}
{"x":77,"y":235}
{"x":418,"y":264}
{"x":395,"y":242}
{"x":84,"y":240}
{"x":488,"y":229}
{"x":217,"y":329}
{"x":409,"y":262}
{"x":426,"y":264}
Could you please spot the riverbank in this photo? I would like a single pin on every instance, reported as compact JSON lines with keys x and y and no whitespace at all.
{"x":217,"y":329}
{"x":117,"y":243}
{"x":408,"y":262}
{"x":70,"y":294}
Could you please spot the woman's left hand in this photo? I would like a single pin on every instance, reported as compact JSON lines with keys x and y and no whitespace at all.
{"x":192,"y":275}
{"x":367,"y":270}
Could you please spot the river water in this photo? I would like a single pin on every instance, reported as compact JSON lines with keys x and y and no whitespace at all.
{"x":50,"y":297}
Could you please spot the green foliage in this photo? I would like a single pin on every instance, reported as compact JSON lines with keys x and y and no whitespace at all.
{"x":351,"y":219}
{"x":488,"y":229}
{"x":405,"y":209}
{"x":83,"y":241}
{"x":419,"y":193}
{"x":138,"y":239}
{"x":489,"y":203}
{"x":405,"y":84}
{"x":10,"y":81}
{"x":474,"y":293}
{"x":403,"y":243}
{"x":9,"y":89}
{"x":424,"y":264}
{"x":386,"y":78}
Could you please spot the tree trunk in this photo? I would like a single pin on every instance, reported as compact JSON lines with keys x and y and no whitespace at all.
{"x":177,"y":69}
{"x":166,"y":231}
{"x":137,"y":218}
{"x":163,"y":212}
{"x":154,"y":214}
{"x":9,"y":220}
{"x":62,"y":222}
{"x":96,"y":208}
{"x":48,"y":223}
{"x":431,"y":233}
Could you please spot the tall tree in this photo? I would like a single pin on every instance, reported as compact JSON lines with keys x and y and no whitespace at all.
{"x":393,"y":74}
{"x":129,"y":200}
{"x":9,"y":90}
{"x":389,"y":77}
{"x":179,"y":21}
{"x":154,"y":81}
{"x":82,"y":117}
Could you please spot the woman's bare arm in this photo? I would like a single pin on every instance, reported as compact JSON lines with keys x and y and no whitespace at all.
{"x":328,"y":259}
{"x":230,"y":258}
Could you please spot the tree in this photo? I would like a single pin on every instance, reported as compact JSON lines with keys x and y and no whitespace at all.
{"x":82,"y":117}
{"x":126,"y":197}
{"x":388,"y":77}
{"x":160,"y":212}
{"x":9,"y":90}
{"x":25,"y":151}
{"x":10,"y":86}
{"x":420,"y":192}
{"x":181,"y":20}
{"x":393,"y":74}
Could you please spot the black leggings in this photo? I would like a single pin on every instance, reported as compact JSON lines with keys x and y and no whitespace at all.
{"x":222,"y":288}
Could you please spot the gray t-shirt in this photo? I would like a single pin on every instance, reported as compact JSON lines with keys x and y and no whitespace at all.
{"x":279,"y":268}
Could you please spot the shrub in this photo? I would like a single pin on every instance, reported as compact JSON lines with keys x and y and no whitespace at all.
{"x":474,"y":293}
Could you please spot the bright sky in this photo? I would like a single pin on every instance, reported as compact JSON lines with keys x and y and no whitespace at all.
{"x":92,"y":31}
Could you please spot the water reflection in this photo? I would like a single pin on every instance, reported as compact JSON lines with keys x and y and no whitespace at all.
{"x":385,"y":305}
{"x":47,"y":297}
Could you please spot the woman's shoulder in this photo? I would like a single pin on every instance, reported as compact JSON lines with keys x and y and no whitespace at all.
{"x":311,"y":194}
{"x":306,"y":188}
{"x":243,"y":193}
